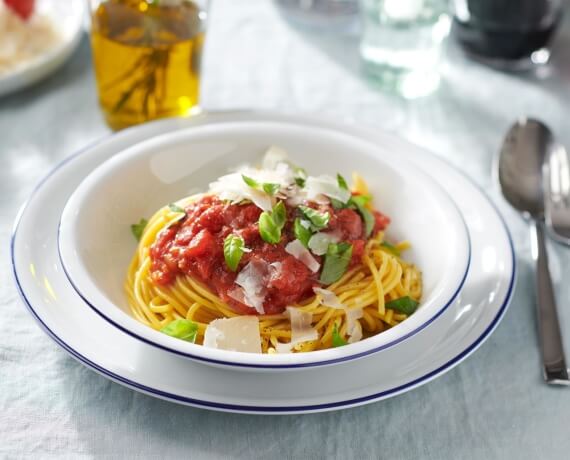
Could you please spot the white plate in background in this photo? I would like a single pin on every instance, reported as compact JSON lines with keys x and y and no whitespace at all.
{"x":68,"y":17}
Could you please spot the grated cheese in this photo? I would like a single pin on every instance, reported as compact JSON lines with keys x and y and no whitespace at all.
{"x":22,"y":41}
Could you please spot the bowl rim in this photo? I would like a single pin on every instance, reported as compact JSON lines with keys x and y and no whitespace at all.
{"x":117,"y":317}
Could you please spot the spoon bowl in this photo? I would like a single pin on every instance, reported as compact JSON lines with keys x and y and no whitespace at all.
{"x":521,"y":160}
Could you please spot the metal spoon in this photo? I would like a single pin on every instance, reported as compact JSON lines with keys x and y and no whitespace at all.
{"x":557,"y":194}
{"x":526,"y":147}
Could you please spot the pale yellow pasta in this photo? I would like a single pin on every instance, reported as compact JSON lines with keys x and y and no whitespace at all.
{"x":382,"y":276}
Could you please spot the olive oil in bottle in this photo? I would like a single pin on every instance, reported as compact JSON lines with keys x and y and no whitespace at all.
{"x":147,"y":59}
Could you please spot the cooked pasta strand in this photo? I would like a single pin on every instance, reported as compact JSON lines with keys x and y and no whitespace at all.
{"x":382,"y":276}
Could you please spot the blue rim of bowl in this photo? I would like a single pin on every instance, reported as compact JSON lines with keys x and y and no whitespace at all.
{"x":326,"y":362}
{"x":266,"y":409}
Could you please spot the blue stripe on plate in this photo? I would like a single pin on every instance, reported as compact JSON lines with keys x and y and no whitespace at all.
{"x":267,"y":409}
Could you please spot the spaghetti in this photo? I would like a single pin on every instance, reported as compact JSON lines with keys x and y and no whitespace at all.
{"x":178,"y":274}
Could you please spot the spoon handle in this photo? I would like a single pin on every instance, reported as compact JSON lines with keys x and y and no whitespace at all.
{"x":555,"y":370}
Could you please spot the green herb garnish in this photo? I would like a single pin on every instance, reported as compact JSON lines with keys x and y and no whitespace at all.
{"x":279,"y":214}
{"x":319,"y":220}
{"x":302,"y":233}
{"x":359,"y":202}
{"x":337,"y":340}
{"x":393,"y":249}
{"x":138,"y":229}
{"x":271,"y":223}
{"x":337,"y":259}
{"x":233,"y":250}
{"x":405,"y":305}
{"x":337,"y":204}
{"x":270,"y":189}
{"x":175,"y":208}
{"x":341,"y":182}
{"x":182,"y":329}
{"x":300,"y":176}
{"x":249,"y":181}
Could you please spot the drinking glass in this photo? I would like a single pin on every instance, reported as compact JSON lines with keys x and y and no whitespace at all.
{"x":401,"y":43}
{"x":507,"y":34}
{"x":338,"y":15}
{"x":146,"y":56}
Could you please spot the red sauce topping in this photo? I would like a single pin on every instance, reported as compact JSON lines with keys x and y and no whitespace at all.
{"x":195,"y":247}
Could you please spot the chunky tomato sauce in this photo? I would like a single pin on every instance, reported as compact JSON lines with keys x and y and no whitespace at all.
{"x":194,"y":246}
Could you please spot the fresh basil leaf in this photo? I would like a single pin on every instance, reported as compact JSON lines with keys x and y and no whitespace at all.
{"x":302,"y":233}
{"x":138,"y":229}
{"x":337,"y":204}
{"x":359,"y":202}
{"x":233,"y":250}
{"x":182,"y":329}
{"x":337,"y":260}
{"x":249,"y":181}
{"x":279,"y":214}
{"x":270,"y":189}
{"x":337,"y":340}
{"x":393,"y":249}
{"x":369,"y":221}
{"x":319,"y":220}
{"x":175,"y":208}
{"x":405,"y":305}
{"x":341,"y":182}
{"x":267,"y":228}
{"x":271,"y":223}
{"x":300,"y":176}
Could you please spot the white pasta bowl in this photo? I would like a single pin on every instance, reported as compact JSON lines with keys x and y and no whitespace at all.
{"x":96,"y":244}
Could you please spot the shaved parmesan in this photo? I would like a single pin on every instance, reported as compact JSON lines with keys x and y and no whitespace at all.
{"x":320,"y":241}
{"x":213,"y":335}
{"x":300,"y":252}
{"x":274,"y":157}
{"x":315,"y":187}
{"x":275,"y":267}
{"x":252,"y":280}
{"x":231,"y":187}
{"x":329,"y":298}
{"x":234,"y":334}
{"x":276,"y":169}
{"x":353,"y":327}
{"x":301,"y":329}
{"x":261,"y":199}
